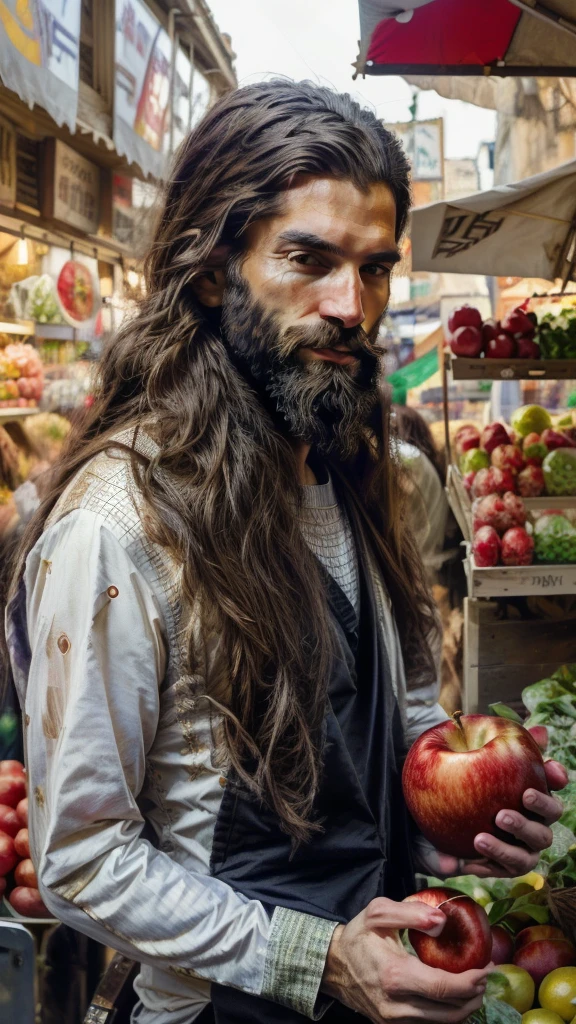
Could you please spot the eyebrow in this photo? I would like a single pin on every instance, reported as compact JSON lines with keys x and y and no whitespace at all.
{"x":311,"y":241}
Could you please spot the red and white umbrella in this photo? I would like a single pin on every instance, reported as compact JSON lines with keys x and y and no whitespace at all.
{"x":467,"y":37}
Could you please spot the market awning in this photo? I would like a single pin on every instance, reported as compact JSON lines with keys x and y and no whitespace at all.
{"x":467,"y":37}
{"x":526,"y":229}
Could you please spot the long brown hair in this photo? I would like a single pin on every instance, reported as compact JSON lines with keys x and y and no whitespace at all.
{"x":223,"y":491}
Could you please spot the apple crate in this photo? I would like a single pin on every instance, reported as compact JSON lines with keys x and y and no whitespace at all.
{"x":536,"y":580}
{"x":464,"y":368}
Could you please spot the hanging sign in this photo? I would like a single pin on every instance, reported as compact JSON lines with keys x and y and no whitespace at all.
{"x":123,"y":212}
{"x":7,"y":163}
{"x":423,"y":144}
{"x":39,"y":54}
{"x":71,"y":187}
{"x":143,"y":58}
{"x":181,"y":100}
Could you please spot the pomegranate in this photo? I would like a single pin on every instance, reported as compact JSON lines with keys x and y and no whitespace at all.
{"x":464,"y":316}
{"x":466,"y":341}
{"x":530,"y":482}
{"x":493,"y":481}
{"x":12,"y":789}
{"x":517,"y":547}
{"x":486,"y":547}
{"x":9,"y":821}
{"x":493,"y":435}
{"x":507,"y":456}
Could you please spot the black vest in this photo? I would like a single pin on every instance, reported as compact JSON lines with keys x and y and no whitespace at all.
{"x":364,"y":848}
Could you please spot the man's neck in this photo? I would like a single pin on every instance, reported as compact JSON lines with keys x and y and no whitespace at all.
{"x":306,"y":475}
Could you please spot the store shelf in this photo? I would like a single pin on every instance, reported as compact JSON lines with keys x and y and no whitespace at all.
{"x":6,"y":415}
{"x":511,"y":369}
{"x":520,"y":580}
{"x":25,"y":327}
{"x":54,"y":332}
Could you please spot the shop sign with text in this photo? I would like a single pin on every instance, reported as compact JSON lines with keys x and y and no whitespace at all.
{"x":72,"y":192}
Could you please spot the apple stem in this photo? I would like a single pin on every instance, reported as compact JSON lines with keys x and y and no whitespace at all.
{"x":456,"y":718}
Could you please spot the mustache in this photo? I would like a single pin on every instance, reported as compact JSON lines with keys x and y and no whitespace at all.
{"x":327,"y":335}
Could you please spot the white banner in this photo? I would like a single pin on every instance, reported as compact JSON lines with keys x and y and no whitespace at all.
{"x":181,"y":102}
{"x":39,"y":54}
{"x":143,"y":55}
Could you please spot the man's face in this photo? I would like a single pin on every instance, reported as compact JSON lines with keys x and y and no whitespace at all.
{"x":303,"y":309}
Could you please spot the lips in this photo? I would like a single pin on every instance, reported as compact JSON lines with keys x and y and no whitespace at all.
{"x":332,"y":355}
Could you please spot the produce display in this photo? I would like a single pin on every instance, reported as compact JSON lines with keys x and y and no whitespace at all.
{"x":519,"y":335}
{"x":531,"y":920}
{"x":18,"y":880}
{"x":21,"y":376}
{"x":502,"y":465}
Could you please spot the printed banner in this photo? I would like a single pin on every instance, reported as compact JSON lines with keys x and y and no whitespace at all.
{"x":39,"y":54}
{"x":143,"y":57}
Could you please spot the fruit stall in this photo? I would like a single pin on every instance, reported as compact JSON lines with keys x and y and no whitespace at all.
{"x":512,"y":488}
{"x":525,"y":926}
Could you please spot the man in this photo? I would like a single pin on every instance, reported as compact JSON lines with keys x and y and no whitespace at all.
{"x":221,"y":634}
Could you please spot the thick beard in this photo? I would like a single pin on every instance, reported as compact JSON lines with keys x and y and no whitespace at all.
{"x":320,"y":403}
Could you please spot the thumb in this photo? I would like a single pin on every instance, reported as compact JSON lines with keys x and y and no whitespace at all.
{"x":385,"y":915}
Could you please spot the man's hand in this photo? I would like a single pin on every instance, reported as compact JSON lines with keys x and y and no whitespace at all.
{"x":369,"y":970}
{"x":502,"y":860}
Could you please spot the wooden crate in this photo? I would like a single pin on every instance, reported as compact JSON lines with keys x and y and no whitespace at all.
{"x":519,"y":580}
{"x":502,"y":656}
{"x":512,"y":369}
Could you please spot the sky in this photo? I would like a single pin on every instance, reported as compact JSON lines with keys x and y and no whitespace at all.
{"x":317,"y":39}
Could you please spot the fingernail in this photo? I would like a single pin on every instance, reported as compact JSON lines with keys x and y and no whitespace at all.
{"x":507,"y":819}
{"x":530,"y":798}
{"x":483,"y":844}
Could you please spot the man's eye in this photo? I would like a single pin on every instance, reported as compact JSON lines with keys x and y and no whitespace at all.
{"x":377,"y":270}
{"x":305,"y":259}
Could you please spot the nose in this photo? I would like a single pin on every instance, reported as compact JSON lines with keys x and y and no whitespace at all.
{"x":342,"y":302}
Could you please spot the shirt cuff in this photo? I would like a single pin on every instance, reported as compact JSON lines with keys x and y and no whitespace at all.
{"x":297,"y":949}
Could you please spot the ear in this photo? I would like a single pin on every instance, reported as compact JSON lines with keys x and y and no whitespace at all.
{"x":208,"y":287}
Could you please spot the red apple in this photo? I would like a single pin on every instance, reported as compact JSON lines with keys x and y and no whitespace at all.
{"x":493,"y":481}
{"x":459,"y":774}
{"x":502,"y":945}
{"x":12,"y":789}
{"x":493,"y":435}
{"x":11,"y":768}
{"x":24,"y":874}
{"x":22,"y":843}
{"x":530,"y":482}
{"x":507,"y":456}
{"x":490,"y":328}
{"x":466,"y":341}
{"x":486,"y":547}
{"x":532,"y":438}
{"x":518,"y":322}
{"x":466,"y":438}
{"x":22,"y":811}
{"x":492,"y":511}
{"x":527,"y":348}
{"x":464,"y":316}
{"x":9,"y":821}
{"x":517,"y":547}
{"x":28,"y":902}
{"x":545,"y":955}
{"x":540,"y":734}
{"x":468,"y":480}
{"x":465,"y":942}
{"x":554,"y":439}
{"x":8,"y":855}
{"x":503,"y":346}
{"x":537,"y":931}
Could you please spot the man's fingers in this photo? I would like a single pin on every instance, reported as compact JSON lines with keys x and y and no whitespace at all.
{"x":383,"y":914}
{"x":556,"y":775}
{"x":514,"y":859}
{"x":549,"y":808}
{"x":430,"y":983}
{"x":424,"y":1009}
{"x":534,"y":835}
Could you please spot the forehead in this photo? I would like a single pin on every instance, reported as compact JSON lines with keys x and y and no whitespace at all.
{"x":336,"y":211}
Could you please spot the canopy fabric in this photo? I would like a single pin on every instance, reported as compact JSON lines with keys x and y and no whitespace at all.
{"x":467,"y":37}
{"x":412,"y":375}
{"x":526,"y":229}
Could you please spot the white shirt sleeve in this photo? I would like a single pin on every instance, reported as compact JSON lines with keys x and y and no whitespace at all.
{"x":98,"y":658}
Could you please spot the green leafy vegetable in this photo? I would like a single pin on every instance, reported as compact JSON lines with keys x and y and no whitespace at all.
{"x":503,"y":711}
